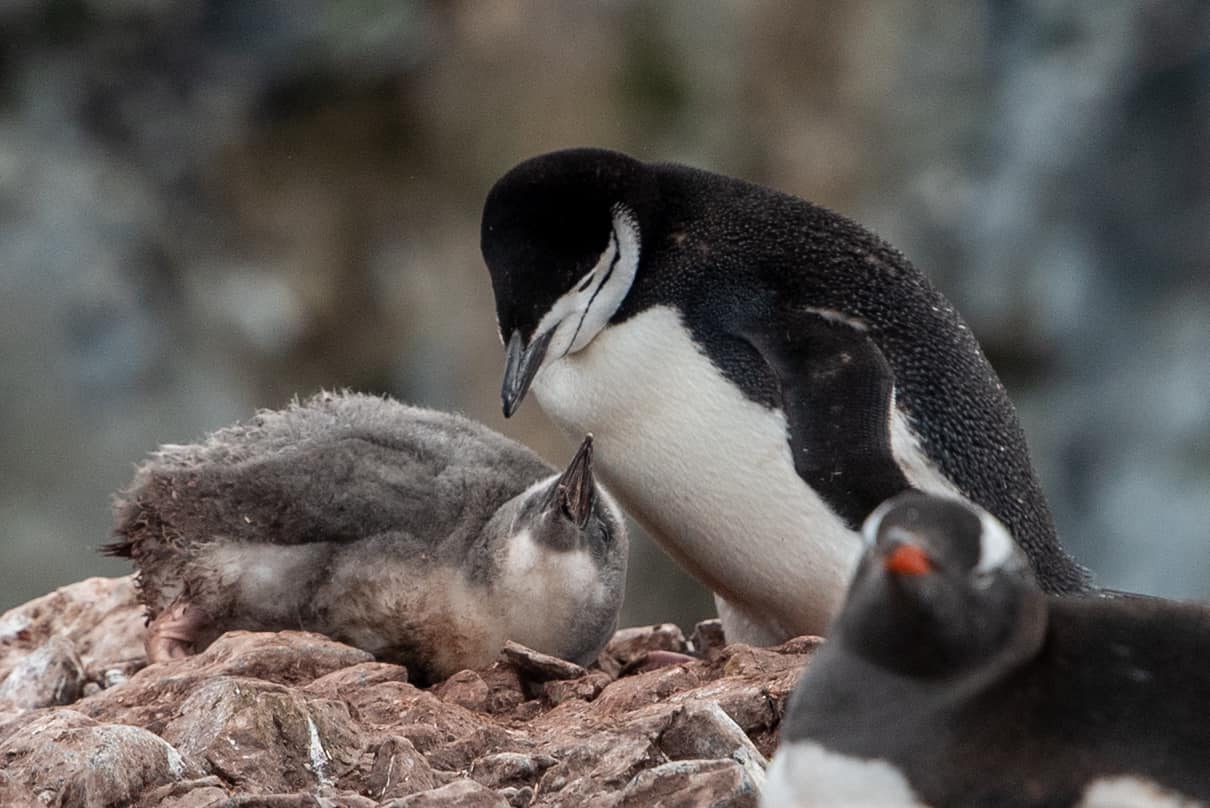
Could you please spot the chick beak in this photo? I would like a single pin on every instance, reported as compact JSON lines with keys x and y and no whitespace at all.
{"x":907,"y":559}
{"x":575,"y":489}
{"x":521,"y":364}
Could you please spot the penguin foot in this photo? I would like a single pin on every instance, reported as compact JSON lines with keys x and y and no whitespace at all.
{"x":172,"y":634}
{"x":656,"y":659}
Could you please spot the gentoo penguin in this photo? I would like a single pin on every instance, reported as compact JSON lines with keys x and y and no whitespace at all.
{"x":420,"y":536}
{"x":759,"y":374}
{"x":951,"y":679}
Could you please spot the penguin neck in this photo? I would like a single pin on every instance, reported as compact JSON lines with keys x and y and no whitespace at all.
{"x":905,"y":634}
{"x":1030,"y":629}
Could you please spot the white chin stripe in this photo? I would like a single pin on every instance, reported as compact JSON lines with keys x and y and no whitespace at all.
{"x":582,"y":311}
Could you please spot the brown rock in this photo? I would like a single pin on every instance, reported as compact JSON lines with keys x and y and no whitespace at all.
{"x":627,"y":694}
{"x":692,"y":784}
{"x":509,"y":769}
{"x":398,"y":770}
{"x":459,"y":794}
{"x":702,"y":731}
{"x":295,"y":719}
{"x":506,"y":688}
{"x":264,"y":736}
{"x":539,"y":667}
{"x":63,"y":758}
{"x":599,"y":762}
{"x":629,"y":644}
{"x":586,"y":688}
{"x":356,"y":676}
{"x":465,"y":688}
{"x":741,"y":660}
{"x":345,"y":799}
{"x":415,"y":714}
{"x":806,"y":644}
{"x":153,"y":696}
{"x":708,"y":638}
{"x":460,"y":754}
{"x":199,"y":793}
{"x":286,"y":657}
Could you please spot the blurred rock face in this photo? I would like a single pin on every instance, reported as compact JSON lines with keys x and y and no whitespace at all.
{"x":207,"y":207}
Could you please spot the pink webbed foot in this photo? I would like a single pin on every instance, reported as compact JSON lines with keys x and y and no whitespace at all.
{"x":172,"y":634}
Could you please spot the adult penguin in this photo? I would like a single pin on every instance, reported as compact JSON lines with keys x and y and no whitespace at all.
{"x":759,"y":374}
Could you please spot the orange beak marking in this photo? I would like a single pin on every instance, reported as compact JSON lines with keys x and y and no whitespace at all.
{"x":908,"y":559}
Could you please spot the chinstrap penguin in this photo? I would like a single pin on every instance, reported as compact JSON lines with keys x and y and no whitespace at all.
{"x":420,"y":536}
{"x":759,"y":373}
{"x":950,"y":679}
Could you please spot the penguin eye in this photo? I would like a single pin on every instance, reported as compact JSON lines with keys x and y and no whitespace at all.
{"x":587,"y":282}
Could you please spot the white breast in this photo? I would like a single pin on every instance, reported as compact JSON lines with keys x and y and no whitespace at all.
{"x":1131,"y":792}
{"x":806,"y":775}
{"x":705,"y":470}
{"x":547,"y":595}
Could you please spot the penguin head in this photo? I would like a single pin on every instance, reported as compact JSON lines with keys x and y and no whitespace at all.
{"x":942,"y":587}
{"x":561,"y":238}
{"x":569,"y":512}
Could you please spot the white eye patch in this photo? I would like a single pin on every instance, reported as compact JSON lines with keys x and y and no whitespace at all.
{"x":581,"y":312}
{"x":869,"y":530}
{"x":996,"y":548}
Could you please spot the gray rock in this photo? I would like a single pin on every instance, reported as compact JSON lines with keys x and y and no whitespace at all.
{"x":703,"y":731}
{"x":51,"y":675}
{"x":459,"y":794}
{"x":100,"y":617}
{"x":692,"y":784}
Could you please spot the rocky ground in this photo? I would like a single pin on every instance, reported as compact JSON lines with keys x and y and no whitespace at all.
{"x":295,"y":719}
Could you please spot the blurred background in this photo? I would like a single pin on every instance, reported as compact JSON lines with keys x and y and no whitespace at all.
{"x":209,"y":206}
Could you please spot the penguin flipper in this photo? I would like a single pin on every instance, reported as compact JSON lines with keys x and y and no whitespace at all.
{"x":837,"y":391}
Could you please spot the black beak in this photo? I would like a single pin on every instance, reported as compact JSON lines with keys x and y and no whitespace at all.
{"x":575,"y":489}
{"x":520,"y":366}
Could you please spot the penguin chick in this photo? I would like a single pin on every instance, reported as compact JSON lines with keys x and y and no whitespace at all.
{"x":759,"y":373}
{"x":950,"y":679}
{"x":420,"y":536}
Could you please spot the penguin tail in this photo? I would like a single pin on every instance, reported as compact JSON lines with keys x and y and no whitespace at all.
{"x":117,"y":549}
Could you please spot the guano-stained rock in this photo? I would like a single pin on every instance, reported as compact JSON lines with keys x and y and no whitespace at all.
{"x":265,"y":736}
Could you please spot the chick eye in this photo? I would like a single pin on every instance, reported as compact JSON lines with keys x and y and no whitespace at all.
{"x":587,"y":282}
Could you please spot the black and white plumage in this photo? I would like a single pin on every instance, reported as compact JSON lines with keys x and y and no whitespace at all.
{"x":421,"y":536}
{"x":759,"y":373}
{"x":950,"y":679}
